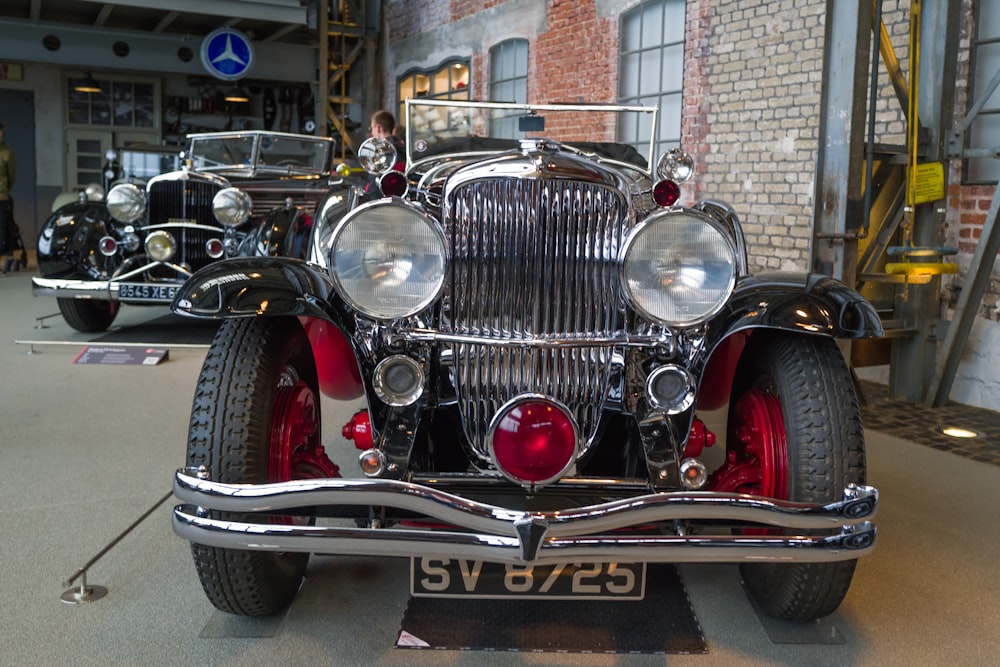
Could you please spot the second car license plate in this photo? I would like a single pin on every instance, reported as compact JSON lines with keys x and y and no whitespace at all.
{"x":442,"y":577}
{"x":147,"y":292}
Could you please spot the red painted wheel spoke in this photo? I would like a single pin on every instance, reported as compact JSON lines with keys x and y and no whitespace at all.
{"x":296,"y":451}
{"x":757,"y":461}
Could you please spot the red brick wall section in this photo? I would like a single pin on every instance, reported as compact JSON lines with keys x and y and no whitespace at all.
{"x":697,"y":94}
{"x":576,"y":58}
{"x":460,"y":9}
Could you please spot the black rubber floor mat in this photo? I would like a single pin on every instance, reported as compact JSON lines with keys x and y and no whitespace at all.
{"x":663,"y":622}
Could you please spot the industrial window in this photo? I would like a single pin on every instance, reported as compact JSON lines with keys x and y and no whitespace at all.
{"x":985,"y":130}
{"x":508,"y":83}
{"x":651,"y":71}
{"x":121,"y":103}
{"x":448,"y":81}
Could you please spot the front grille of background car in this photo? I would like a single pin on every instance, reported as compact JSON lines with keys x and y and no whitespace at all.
{"x":182,"y":199}
{"x":533,"y":259}
{"x":188,"y":201}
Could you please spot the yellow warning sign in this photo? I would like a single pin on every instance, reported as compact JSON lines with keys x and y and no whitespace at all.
{"x":928,"y":182}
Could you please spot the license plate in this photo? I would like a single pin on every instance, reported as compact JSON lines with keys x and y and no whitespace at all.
{"x":146,"y":292}
{"x":451,"y":578}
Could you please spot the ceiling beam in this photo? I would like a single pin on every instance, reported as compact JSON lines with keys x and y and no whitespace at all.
{"x":279,"y":11}
{"x":102,"y":16}
{"x":89,"y":48}
{"x":166,"y":21}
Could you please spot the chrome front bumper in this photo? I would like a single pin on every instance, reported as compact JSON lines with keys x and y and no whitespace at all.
{"x":74,"y":289}
{"x":487,"y":532}
{"x":102,"y":290}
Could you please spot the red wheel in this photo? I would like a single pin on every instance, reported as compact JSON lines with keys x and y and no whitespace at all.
{"x":256,"y":419}
{"x":296,"y":450}
{"x":757,"y":456}
{"x":794,"y":434}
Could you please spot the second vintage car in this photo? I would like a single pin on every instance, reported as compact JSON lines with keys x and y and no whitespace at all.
{"x":244,"y":193}
{"x":545,"y":337}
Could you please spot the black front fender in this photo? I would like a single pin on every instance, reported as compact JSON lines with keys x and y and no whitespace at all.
{"x":67,"y":243}
{"x":807,"y":303}
{"x":252,"y":286}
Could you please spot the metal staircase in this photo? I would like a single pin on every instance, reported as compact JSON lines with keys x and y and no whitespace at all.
{"x":347,"y":44}
{"x":888,"y":236}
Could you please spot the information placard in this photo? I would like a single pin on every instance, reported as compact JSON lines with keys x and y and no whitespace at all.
{"x":121,"y":356}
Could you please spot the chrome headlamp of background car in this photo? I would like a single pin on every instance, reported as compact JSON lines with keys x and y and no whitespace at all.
{"x":387,"y":259}
{"x":678,"y":267}
{"x":126,"y":202}
{"x":94,"y":192}
{"x":377,"y":156}
{"x":231,"y":207}
{"x":161,"y":246}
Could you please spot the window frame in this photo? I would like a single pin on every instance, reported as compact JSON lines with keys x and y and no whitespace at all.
{"x":512,"y":48}
{"x":662,"y":142}
{"x":456,"y":90}
{"x":76,"y":102}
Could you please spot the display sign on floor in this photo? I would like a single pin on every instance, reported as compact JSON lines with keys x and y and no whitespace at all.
{"x":121,"y":356}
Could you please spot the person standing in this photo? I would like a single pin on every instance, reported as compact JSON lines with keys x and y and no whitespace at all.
{"x":383,"y":126}
{"x":8,"y":169}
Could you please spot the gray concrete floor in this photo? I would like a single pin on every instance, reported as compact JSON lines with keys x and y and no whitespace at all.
{"x":85,"y":450}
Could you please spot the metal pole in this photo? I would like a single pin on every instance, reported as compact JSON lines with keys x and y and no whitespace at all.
{"x":89,"y":593}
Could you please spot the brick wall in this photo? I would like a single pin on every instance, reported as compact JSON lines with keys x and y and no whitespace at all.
{"x":761,"y":65}
{"x":751,"y":98}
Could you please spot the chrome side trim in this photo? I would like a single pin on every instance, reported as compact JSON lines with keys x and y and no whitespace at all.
{"x":495,"y":536}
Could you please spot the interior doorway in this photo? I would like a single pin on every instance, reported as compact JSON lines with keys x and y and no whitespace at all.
{"x":17,"y":112}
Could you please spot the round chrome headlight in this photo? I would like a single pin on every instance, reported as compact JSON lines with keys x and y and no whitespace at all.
{"x":231,"y":207}
{"x":675,"y":165}
{"x":160,"y":246}
{"x":376,"y":155}
{"x":387,"y":260}
{"x":126,"y":202}
{"x":94,"y":192}
{"x":678,"y":267}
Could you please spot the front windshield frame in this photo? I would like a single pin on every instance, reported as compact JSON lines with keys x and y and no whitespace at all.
{"x":260,"y":152}
{"x":144,"y":164}
{"x":429,"y":120}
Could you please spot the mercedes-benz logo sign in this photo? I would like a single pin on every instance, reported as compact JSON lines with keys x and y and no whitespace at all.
{"x":227,"y":54}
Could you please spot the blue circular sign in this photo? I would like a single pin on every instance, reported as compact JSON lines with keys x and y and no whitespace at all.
{"x":227,"y":54}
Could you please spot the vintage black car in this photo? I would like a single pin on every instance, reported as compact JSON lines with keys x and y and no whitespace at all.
{"x":537,"y":326}
{"x":167,"y":215}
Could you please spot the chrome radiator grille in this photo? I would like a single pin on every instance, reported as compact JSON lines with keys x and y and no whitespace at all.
{"x":182,"y":199}
{"x":533,"y":259}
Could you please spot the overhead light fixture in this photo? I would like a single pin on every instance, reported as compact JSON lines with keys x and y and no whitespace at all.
{"x":87,"y":84}
{"x":237,"y":94}
{"x":957,"y":432}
